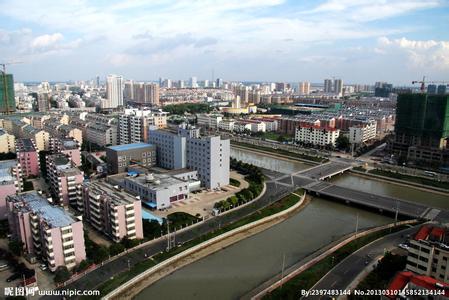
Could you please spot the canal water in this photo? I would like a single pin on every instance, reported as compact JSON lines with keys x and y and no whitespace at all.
{"x":234,"y":271}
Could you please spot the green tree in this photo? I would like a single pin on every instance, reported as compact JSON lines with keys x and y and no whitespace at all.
{"x":233,"y":200}
{"x":151,"y":228}
{"x":61,"y":274}
{"x":83,"y":265}
{"x":101,"y":254}
{"x":116,"y":248}
{"x":342,"y":142}
{"x":16,"y":247}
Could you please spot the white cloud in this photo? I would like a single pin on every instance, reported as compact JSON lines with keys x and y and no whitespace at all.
{"x":46,"y":40}
{"x":420,"y":54}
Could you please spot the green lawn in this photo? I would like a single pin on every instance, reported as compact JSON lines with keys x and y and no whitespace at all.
{"x":419,"y":180}
{"x":234,"y":182}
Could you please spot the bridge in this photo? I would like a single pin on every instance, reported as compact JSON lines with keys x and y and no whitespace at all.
{"x":312,"y":181}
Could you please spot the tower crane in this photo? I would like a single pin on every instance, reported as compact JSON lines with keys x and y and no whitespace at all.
{"x":5,"y":85}
{"x":423,"y":83}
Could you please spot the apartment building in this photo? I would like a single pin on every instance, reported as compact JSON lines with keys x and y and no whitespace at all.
{"x":40,"y":137}
{"x":10,"y":182}
{"x":101,"y":135}
{"x":429,"y":252}
{"x":227,"y":124}
{"x":317,"y":135}
{"x":362,"y":133}
{"x":209,"y":120}
{"x":134,"y":124}
{"x":7,"y":142}
{"x":406,"y":284}
{"x":64,"y":178}
{"x":68,"y":146}
{"x":28,"y":157}
{"x":46,"y":231}
{"x":121,"y":156}
{"x":111,"y":211}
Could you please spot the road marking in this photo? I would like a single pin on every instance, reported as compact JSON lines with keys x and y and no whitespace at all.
{"x":334,"y":283}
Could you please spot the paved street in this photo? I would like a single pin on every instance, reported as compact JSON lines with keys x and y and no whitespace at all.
{"x":102,"y":274}
{"x":344,"y":273}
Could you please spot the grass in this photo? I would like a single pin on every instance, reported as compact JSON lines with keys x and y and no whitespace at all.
{"x":181,"y":219}
{"x":415,"y":179}
{"x":135,"y":270}
{"x":359,"y":168}
{"x":234,"y":182}
{"x":284,"y":152}
{"x":308,"y":278}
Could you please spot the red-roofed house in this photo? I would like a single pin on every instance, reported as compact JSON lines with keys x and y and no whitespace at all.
{"x":405,"y":282}
{"x":428,"y":253}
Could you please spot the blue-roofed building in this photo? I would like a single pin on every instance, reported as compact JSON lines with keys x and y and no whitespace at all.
{"x":121,"y":156}
{"x":46,"y":231}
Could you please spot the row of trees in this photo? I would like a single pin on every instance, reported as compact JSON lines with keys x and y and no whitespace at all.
{"x":255,"y":178}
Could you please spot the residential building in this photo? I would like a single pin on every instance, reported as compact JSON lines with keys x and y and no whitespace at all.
{"x":227,"y":124}
{"x":134,"y":124}
{"x":121,"y":156}
{"x":7,"y":99}
{"x":114,"y":91}
{"x":441,"y":90}
{"x":67,"y":146}
{"x":328,"y":86}
{"x":428,"y":252}
{"x":7,"y":142}
{"x":64,"y":179}
{"x":406,"y":284}
{"x":209,"y":120}
{"x":40,"y":137}
{"x":362,"y":133}
{"x":304,"y":88}
{"x":46,"y":231}
{"x":28,"y":157}
{"x":338,"y":87}
{"x":101,"y":135}
{"x":317,"y":135}
{"x":10,"y":182}
{"x":110,"y":211}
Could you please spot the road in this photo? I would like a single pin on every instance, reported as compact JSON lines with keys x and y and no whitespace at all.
{"x":347,"y":270}
{"x":104,"y":273}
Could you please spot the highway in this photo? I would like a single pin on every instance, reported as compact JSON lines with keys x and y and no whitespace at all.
{"x":347,"y":270}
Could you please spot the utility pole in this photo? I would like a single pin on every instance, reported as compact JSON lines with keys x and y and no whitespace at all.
{"x":357,"y":225}
{"x":282,"y":271}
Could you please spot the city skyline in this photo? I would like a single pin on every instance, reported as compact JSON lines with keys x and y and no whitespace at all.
{"x":269,"y":40}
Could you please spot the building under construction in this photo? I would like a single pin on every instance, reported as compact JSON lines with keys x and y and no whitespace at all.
{"x":7,"y":100}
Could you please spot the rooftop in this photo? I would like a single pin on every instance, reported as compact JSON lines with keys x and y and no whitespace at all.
{"x":158,"y":181}
{"x":25,"y":145}
{"x":34,"y":202}
{"x":402,"y":279}
{"x":5,"y":170}
{"x":130,"y":146}
{"x":117,"y":197}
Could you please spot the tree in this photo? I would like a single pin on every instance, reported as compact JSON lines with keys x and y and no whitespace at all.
{"x":127,"y":243}
{"x":116,"y":248}
{"x":83,"y":265}
{"x":61,"y":274}
{"x":101,"y":253}
{"x":15,"y":246}
{"x":342,"y":142}
{"x":151,"y":228}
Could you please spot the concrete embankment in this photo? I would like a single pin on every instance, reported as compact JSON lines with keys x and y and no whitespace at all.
{"x":140,"y":282}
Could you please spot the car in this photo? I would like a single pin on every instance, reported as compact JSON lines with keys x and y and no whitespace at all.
{"x":43,"y":267}
{"x":403,"y":246}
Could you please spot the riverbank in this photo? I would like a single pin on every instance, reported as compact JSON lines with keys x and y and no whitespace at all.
{"x":308,"y":271}
{"x":401,"y":182}
{"x":256,"y":223}
{"x":281,"y":153}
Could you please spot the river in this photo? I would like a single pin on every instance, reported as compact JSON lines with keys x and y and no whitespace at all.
{"x":234,"y":271}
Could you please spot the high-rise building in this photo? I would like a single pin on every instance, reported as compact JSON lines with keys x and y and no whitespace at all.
{"x":193,"y":82}
{"x":97,"y":81}
{"x":134,"y":124}
{"x":431,"y":89}
{"x":422,"y":127}
{"x":152,"y":93}
{"x":328,"y":85}
{"x":441,"y":89}
{"x":128,"y":92}
{"x":7,"y":100}
{"x":114,"y":91}
{"x":219,"y":83}
{"x":338,"y":87}
{"x":304,"y":88}
{"x":181,"y":84}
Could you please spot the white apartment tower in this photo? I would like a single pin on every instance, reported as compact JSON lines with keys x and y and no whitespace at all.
{"x":304,"y":88}
{"x":328,"y":85}
{"x":114,"y":91}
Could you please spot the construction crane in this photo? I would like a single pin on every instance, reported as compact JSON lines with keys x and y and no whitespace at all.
{"x":423,"y":83}
{"x":5,"y":84}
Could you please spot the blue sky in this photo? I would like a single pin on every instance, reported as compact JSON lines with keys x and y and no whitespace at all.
{"x":361,"y":41}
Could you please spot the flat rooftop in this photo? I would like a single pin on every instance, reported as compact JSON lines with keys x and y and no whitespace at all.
{"x":34,"y":202}
{"x":130,"y":146}
{"x":159,"y":181}
{"x":118,"y":197}
{"x":6,"y":174}
{"x":25,"y":145}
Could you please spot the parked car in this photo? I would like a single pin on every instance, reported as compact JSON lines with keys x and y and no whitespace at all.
{"x":403,"y":246}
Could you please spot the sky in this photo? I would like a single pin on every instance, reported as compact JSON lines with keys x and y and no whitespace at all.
{"x":360,"y":41}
